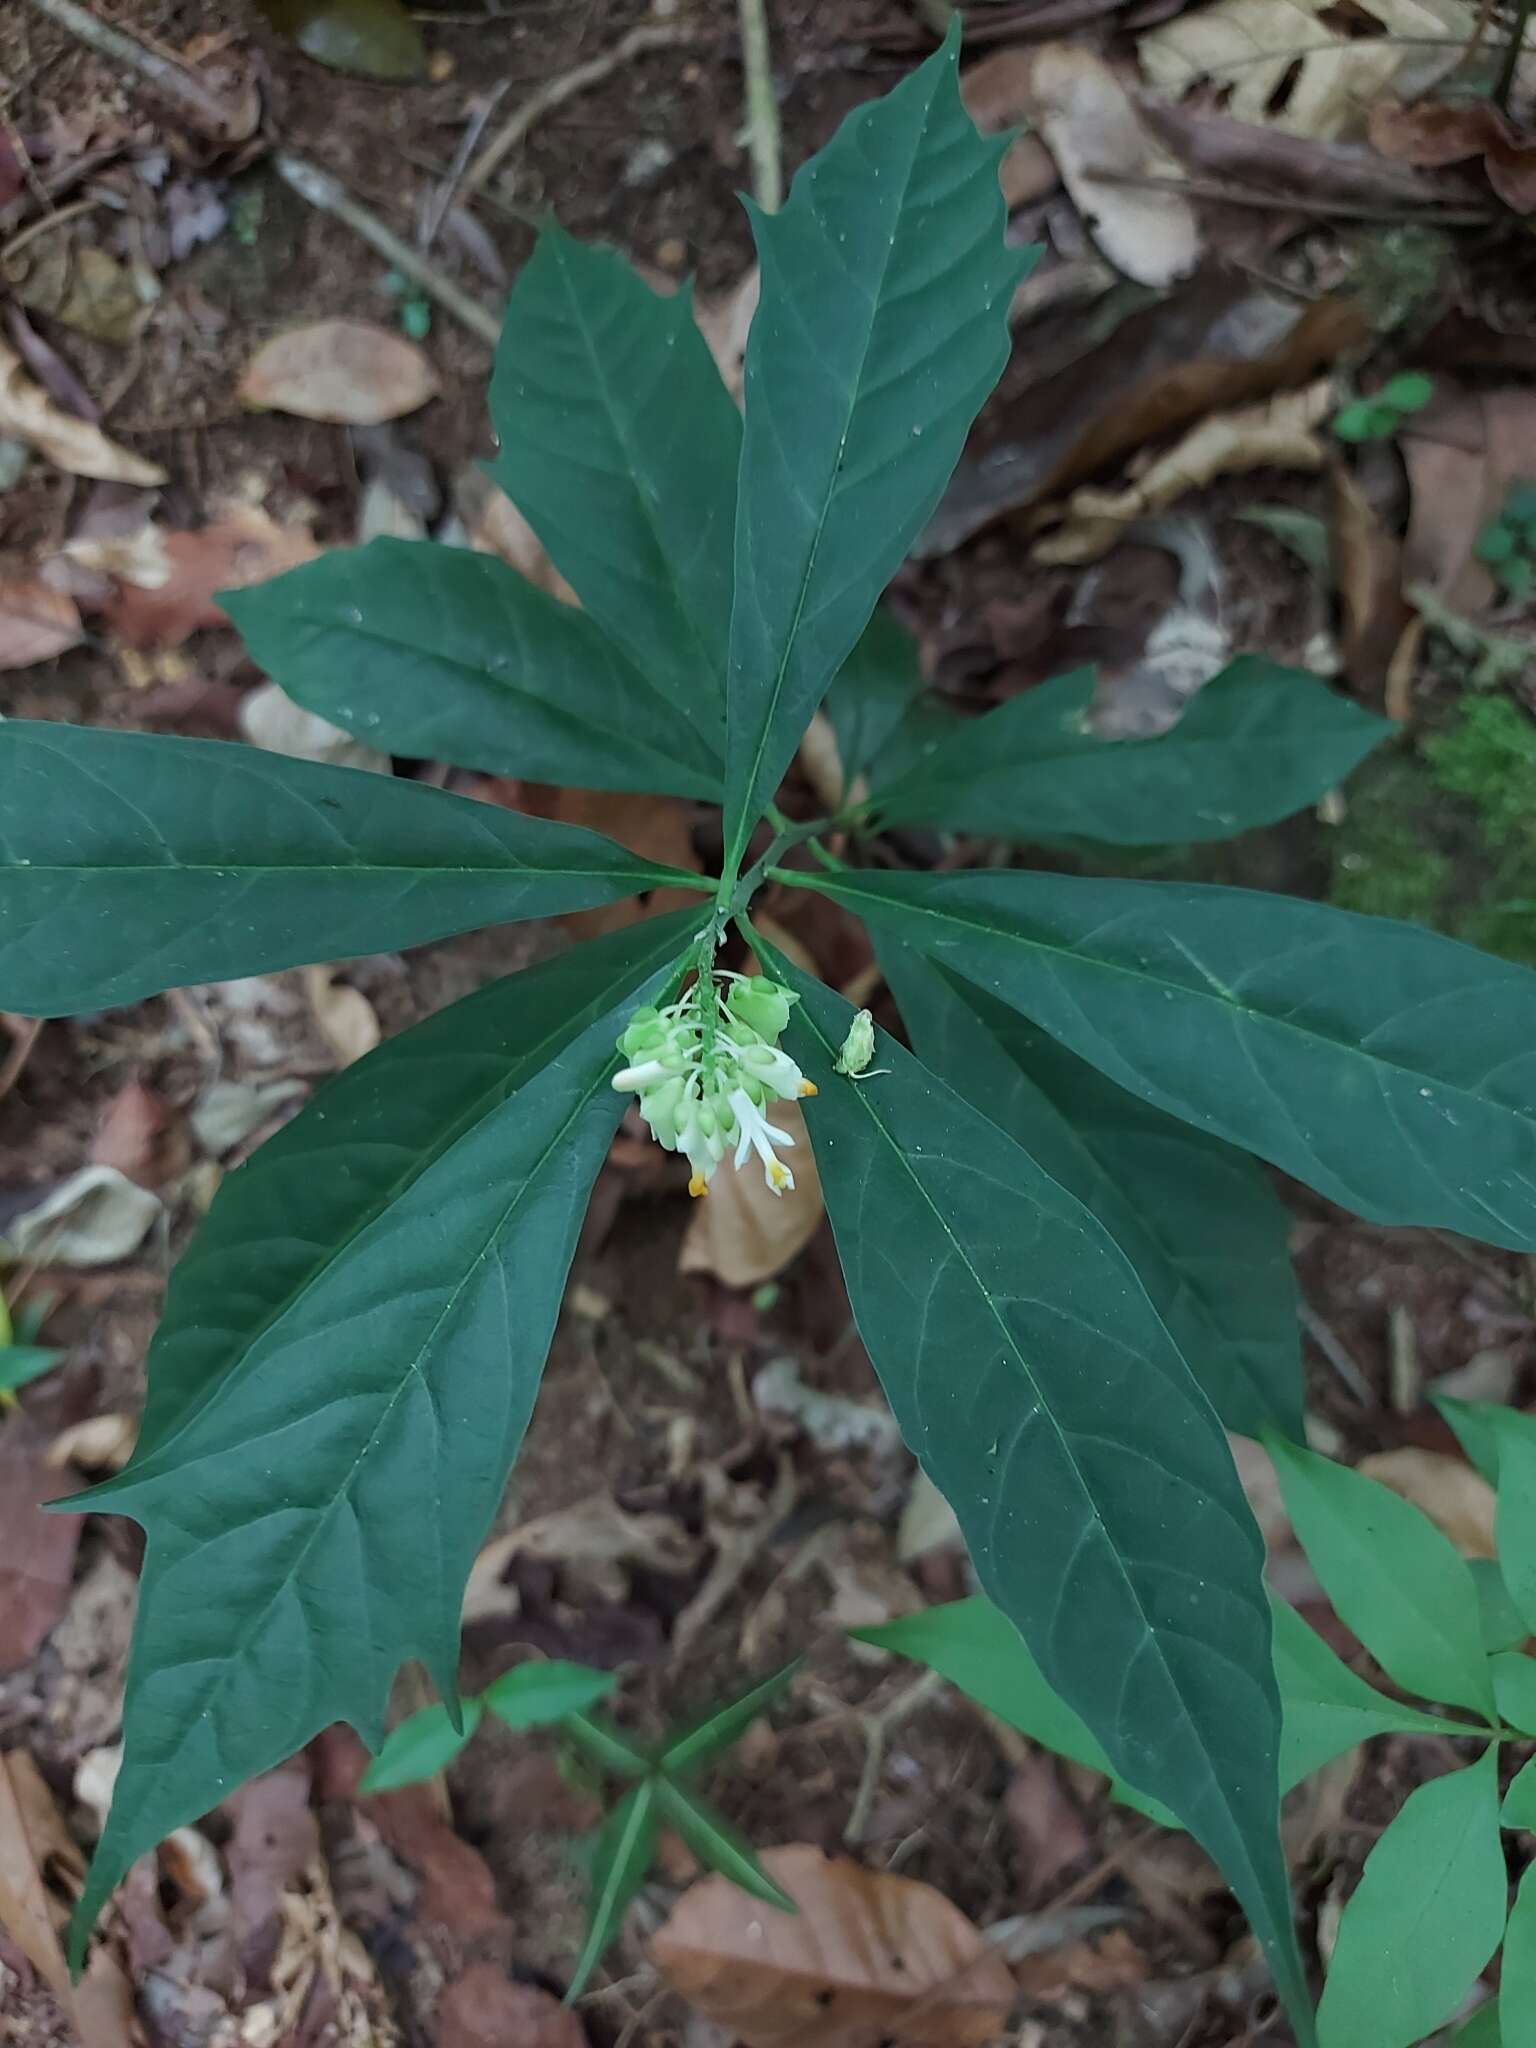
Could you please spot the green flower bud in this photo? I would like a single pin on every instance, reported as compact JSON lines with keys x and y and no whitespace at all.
{"x":761,"y":1005}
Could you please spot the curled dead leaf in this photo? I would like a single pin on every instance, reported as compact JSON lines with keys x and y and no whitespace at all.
{"x":1089,"y":122}
{"x":996,"y":96}
{"x":493,"y":526}
{"x":743,"y":1233}
{"x":868,"y":1958}
{"x":36,"y":622}
{"x":28,"y":414}
{"x":1433,"y":133}
{"x":1456,"y":1497}
{"x":1462,"y":453}
{"x":1279,"y":434}
{"x":348,"y":372}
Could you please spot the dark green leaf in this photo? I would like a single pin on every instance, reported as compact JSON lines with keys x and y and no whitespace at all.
{"x":1091,"y":1477}
{"x":871,"y":693}
{"x":619,"y":444}
{"x":349,"y":1354}
{"x":976,"y":1647}
{"x":1256,"y":744}
{"x":1514,"y":1689}
{"x":1425,"y":1918}
{"x":1199,"y":1222}
{"x":420,"y":1747}
{"x":1327,"y":1709}
{"x":1390,"y":1068}
{"x":130,"y":864}
{"x":448,"y":655}
{"x":718,"y":1845}
{"x":881,"y":328}
{"x":531,"y":1695}
{"x":1519,"y":1808}
{"x":726,"y":1725}
{"x":1391,"y":1575}
{"x":1514,"y":1523}
{"x":20,"y":1363}
{"x":1482,"y":2030}
{"x":597,"y":1737}
{"x":375,"y":38}
{"x":1477,"y":1431}
{"x":621,"y":1856}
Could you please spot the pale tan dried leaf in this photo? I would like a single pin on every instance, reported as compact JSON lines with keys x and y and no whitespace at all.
{"x":656,"y":828}
{"x":345,"y":371}
{"x":27,"y":413}
{"x":868,"y":1958}
{"x":743,"y":1233}
{"x":1089,"y":123}
{"x":1279,"y":434}
{"x":31,"y":1832}
{"x":347,"y":1020}
{"x":725,"y":322}
{"x":101,"y":1443}
{"x":996,"y":95}
{"x":94,"y":1217}
{"x":1456,"y":1497}
{"x":166,"y":580}
{"x":1290,"y":62}
{"x":595,"y":1538}
{"x":36,"y":622}
{"x":494,"y":526}
{"x":269,"y":718}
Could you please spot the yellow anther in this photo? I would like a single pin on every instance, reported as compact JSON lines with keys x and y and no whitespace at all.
{"x":698,"y":1186}
{"x":809,"y":1088}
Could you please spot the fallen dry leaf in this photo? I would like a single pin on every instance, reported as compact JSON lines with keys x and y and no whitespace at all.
{"x":36,"y":622}
{"x":101,"y":1443}
{"x":1462,"y":453}
{"x":868,"y":1958}
{"x":348,"y":372}
{"x":82,"y":287}
{"x":129,"y":1135}
{"x":494,"y":526}
{"x":33,"y":1837}
{"x":657,"y":828}
{"x":742,"y":1232}
{"x":1368,"y":574}
{"x":37,"y":1551}
{"x":165,"y":581}
{"x":1455,"y":1496}
{"x":996,"y":96}
{"x":94,"y":1217}
{"x":1089,"y":122}
{"x":1276,"y":163}
{"x":1433,"y":133}
{"x":269,"y":718}
{"x":485,"y":2009}
{"x":725,"y":322}
{"x":1048,"y":1831}
{"x":347,"y":1020}
{"x":28,"y":414}
{"x":1279,"y":434}
{"x":1306,"y":65}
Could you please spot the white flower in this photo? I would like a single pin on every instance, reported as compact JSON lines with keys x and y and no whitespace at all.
{"x":760,"y":1136}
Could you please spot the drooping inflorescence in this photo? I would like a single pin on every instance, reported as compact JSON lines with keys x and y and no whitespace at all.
{"x":707,"y":1066}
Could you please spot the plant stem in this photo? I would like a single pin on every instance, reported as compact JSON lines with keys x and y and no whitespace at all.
{"x":763,"y":134}
{"x":787,"y":835}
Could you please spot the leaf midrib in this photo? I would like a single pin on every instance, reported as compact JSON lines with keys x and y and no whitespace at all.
{"x":1013,"y":1349}
{"x":742,"y":829}
{"x":801,"y":878}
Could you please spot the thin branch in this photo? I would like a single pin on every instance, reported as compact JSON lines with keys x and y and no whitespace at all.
{"x":180,"y":88}
{"x":1512,"y":53}
{"x":328,"y":193}
{"x":1272,"y":202}
{"x":762,"y":125}
{"x":648,"y":36}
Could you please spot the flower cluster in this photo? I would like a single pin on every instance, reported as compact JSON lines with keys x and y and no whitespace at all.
{"x":706,"y":1068}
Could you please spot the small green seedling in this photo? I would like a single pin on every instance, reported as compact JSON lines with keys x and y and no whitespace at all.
{"x":1507,"y":545}
{"x":1381,"y":416}
{"x":659,"y":1780}
{"x":1443,"y":1628}
{"x":22,"y":1359}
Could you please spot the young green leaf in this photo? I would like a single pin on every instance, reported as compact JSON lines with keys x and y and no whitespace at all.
{"x":452,"y":656}
{"x":423,"y":1744}
{"x":1519,"y":1808}
{"x":534,"y":1694}
{"x":621,"y":1855}
{"x":1498,"y":1621}
{"x":1514,"y":1689}
{"x":1312,"y":1036}
{"x":1199,"y":1222}
{"x":1391,"y":1575}
{"x":717,"y":1731}
{"x":596,"y":1736}
{"x":1476,"y":1424}
{"x":619,"y":445}
{"x":976,"y":1647}
{"x":1256,"y":744}
{"x":1425,"y":1918}
{"x":717,"y":1844}
{"x":1091,"y":1477}
{"x":1327,"y":1710}
{"x":881,"y":328}
{"x":348,"y":1357}
{"x":22,"y":1363}
{"x":131,"y":864}
{"x":1514,"y":1524}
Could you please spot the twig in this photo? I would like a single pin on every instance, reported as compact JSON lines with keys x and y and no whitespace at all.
{"x":876,"y":1729}
{"x":200,"y":108}
{"x":331,"y":196}
{"x":436,"y":211}
{"x":44,"y":226}
{"x":648,"y":36}
{"x":1505,"y":83}
{"x":1336,"y":1355}
{"x":762,"y":125}
{"x":1274,"y":202}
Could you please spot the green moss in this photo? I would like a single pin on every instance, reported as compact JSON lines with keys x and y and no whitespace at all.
{"x":1444,"y":832}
